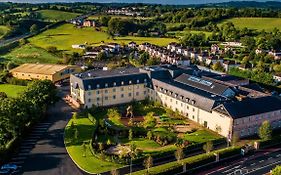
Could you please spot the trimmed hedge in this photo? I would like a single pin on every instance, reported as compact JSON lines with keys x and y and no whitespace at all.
{"x":191,"y":162}
{"x":274,"y":141}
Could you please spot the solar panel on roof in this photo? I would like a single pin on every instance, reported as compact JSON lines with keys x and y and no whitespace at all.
{"x":198,"y":80}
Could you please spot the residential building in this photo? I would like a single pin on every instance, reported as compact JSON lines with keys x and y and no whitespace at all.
{"x":89,"y":23}
{"x":277,"y":77}
{"x":215,"y":103}
{"x":52,"y":72}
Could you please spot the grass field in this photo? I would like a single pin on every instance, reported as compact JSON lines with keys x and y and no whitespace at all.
{"x":64,"y":36}
{"x":12,"y":90}
{"x":3,"y":30}
{"x":56,"y":15}
{"x":30,"y":54}
{"x":74,"y":147}
{"x":255,"y":23}
{"x":201,"y":136}
{"x":182,"y":33}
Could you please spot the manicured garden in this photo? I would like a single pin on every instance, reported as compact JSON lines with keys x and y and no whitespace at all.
{"x":64,"y":36}
{"x":82,"y":155}
{"x":12,"y":90}
{"x":109,"y":138}
{"x":56,"y":15}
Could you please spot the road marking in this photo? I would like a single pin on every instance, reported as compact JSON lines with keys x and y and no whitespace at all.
{"x":17,"y":162}
{"x":23,"y":154}
{"x":264,"y":166}
{"x":232,"y":169}
{"x":19,"y":158}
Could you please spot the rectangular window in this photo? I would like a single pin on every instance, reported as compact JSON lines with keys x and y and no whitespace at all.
{"x":122,"y":89}
{"x":98,"y":92}
{"x":114,"y":90}
{"x":137,"y":93}
{"x":106,"y":97}
{"x":122,"y":95}
{"x":98,"y":99}
{"x":114,"y":97}
{"x":106,"y":91}
{"x":130,"y":94}
{"x":89,"y":100}
{"x":144,"y":92}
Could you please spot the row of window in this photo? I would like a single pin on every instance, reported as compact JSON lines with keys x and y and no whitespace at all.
{"x":106,"y":85}
{"x":113,"y":90}
{"x":255,"y":118}
{"x":114,"y":96}
{"x":254,"y":129}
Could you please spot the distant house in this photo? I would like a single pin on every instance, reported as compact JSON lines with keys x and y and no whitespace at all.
{"x":228,"y":64}
{"x":275,"y":54}
{"x":215,"y":49}
{"x":114,"y":47}
{"x":89,"y":23}
{"x":245,"y":66}
{"x":277,"y":77}
{"x":79,"y":46}
{"x":132,"y":44}
{"x":213,"y":60}
{"x":173,"y":46}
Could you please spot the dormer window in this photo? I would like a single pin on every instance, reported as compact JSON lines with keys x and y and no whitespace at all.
{"x":106,"y":85}
{"x":187,"y":99}
{"x":122,"y":83}
{"x":138,"y":81}
{"x":114,"y":84}
{"x":130,"y":82}
{"x":98,"y":86}
{"x":145,"y":80}
{"x":89,"y":87}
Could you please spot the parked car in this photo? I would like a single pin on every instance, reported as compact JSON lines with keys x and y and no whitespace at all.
{"x":9,"y":169}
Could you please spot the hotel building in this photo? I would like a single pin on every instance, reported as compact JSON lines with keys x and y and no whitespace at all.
{"x":222,"y":106}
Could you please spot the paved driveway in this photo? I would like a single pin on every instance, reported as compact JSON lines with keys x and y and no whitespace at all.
{"x":48,"y":155}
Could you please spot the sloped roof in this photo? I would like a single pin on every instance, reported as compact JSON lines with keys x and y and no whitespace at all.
{"x":202,"y":83}
{"x":250,"y":106}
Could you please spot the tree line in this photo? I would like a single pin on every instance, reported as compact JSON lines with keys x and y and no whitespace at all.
{"x":18,"y":114}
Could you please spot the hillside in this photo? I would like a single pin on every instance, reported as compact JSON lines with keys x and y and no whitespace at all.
{"x":267,"y":24}
{"x":3,"y":30}
{"x":56,"y":15}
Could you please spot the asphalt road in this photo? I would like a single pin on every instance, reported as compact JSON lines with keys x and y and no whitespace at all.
{"x":258,"y":164}
{"x":49,"y":155}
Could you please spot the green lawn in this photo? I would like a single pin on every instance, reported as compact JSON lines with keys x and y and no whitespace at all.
{"x":182,"y":33}
{"x":64,"y":36}
{"x":255,"y":23}
{"x":74,"y":147}
{"x":201,"y":136}
{"x":3,"y":30}
{"x":30,"y":54}
{"x":12,"y":90}
{"x":56,"y":15}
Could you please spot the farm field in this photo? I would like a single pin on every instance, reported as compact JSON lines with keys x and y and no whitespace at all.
{"x":3,"y":30}
{"x":30,"y":54}
{"x":56,"y":15}
{"x":12,"y":90}
{"x":64,"y":36}
{"x":255,"y":23}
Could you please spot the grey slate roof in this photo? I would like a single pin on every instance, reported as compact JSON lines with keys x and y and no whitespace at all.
{"x":196,"y":97}
{"x":202,"y":83}
{"x":90,"y":79}
{"x":249,"y":107}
